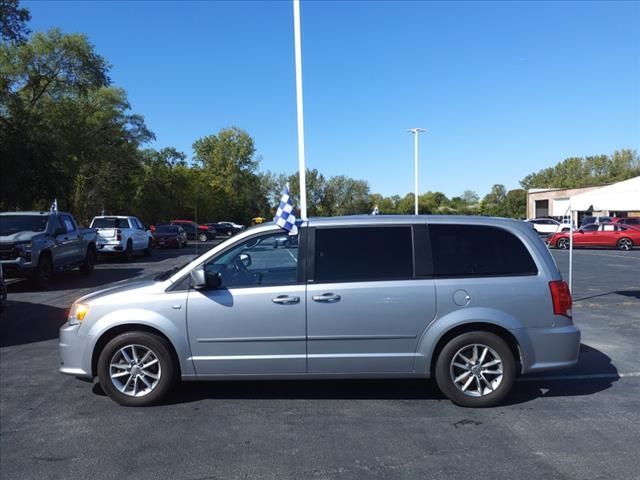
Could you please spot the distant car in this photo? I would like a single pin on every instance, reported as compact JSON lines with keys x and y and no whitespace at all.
{"x":603,"y":235}
{"x":548,"y":225}
{"x":202,"y":233}
{"x":597,"y":220}
{"x":627,"y":220}
{"x":172,"y":236}
{"x":226,"y":229}
{"x":121,"y":235}
{"x":3,"y":291}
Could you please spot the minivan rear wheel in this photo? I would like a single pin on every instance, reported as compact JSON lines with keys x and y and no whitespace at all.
{"x":136,"y":369}
{"x":476,"y":369}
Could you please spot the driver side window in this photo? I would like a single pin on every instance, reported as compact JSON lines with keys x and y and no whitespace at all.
{"x":267,"y":260}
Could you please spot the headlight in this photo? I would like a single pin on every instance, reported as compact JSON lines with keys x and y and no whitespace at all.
{"x":26,"y":246}
{"x":77,"y":313}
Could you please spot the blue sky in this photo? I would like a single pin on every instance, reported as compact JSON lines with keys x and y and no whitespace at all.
{"x":503,"y":88}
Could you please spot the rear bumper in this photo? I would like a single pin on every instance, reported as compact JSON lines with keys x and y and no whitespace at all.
{"x":110,"y":248}
{"x":549,"y":348}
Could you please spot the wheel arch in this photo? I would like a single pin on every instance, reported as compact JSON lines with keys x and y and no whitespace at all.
{"x":116,"y":330}
{"x":476,"y":326}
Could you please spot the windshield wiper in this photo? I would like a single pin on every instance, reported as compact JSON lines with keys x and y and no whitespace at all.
{"x":164,"y":275}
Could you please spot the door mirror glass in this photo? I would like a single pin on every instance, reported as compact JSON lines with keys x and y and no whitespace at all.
{"x":214,"y":280}
{"x":60,"y":231}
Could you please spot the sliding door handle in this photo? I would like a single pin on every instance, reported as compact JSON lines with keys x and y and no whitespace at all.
{"x":326,"y":298}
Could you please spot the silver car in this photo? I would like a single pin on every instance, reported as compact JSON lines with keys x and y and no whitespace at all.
{"x":472,"y":302}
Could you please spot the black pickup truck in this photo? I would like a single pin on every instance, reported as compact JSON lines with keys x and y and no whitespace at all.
{"x":38,"y":244}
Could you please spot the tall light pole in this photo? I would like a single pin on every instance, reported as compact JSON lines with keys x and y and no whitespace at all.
{"x":415,"y":132}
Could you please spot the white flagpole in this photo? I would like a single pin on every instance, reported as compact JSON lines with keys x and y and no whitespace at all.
{"x":415,"y":132}
{"x":301,"y":163}
{"x":571,"y":248}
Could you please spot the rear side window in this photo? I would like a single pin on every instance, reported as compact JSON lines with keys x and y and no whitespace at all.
{"x":361,"y":254}
{"x":477,"y":251}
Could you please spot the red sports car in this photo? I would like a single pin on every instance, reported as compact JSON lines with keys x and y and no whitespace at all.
{"x":622,"y":237}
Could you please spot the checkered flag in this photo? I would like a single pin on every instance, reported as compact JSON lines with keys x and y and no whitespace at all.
{"x":285,"y":218}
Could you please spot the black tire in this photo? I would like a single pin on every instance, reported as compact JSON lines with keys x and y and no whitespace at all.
{"x":89,"y":263}
{"x":444,"y":370}
{"x":127,"y":255}
{"x":562,"y":243}
{"x":202,"y":237}
{"x":625,"y":244}
{"x":147,"y":251}
{"x":41,"y":278}
{"x":162,"y":351}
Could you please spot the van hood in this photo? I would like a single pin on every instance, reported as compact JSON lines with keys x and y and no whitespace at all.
{"x":120,"y":287}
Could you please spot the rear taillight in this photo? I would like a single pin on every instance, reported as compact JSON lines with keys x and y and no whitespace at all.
{"x":118,"y":234}
{"x":561,"y":297}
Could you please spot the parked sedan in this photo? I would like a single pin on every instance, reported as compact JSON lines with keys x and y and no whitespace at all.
{"x":202,"y":233}
{"x":603,"y":235}
{"x":226,"y":228}
{"x":172,"y":236}
{"x":548,"y":225}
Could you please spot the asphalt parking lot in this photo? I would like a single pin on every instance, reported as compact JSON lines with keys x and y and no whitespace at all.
{"x":575,"y":424}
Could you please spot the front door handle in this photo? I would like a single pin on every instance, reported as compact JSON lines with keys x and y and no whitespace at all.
{"x":326,"y":298}
{"x":285,"y":300}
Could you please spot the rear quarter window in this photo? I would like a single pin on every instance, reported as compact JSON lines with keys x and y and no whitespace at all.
{"x":478,"y":251}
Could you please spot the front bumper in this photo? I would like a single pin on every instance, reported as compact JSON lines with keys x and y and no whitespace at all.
{"x":549,"y":348}
{"x":74,"y":352}
{"x":18,"y":266}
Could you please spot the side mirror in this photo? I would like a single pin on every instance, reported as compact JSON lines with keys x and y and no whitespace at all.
{"x":201,"y":279}
{"x":245,"y":258}
{"x":60,"y":231}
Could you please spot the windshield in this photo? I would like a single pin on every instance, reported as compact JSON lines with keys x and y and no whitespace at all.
{"x":10,"y":224}
{"x":110,"y":222}
{"x":166,"y":229}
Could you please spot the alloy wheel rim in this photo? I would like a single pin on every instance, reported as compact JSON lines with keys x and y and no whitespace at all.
{"x":625,"y":244}
{"x":476,"y":370}
{"x":135,"y":370}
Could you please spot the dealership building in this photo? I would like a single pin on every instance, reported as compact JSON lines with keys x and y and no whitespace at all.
{"x":556,"y":202}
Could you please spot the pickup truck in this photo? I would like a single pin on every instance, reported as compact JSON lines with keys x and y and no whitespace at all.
{"x":121,"y":235}
{"x":38,"y":244}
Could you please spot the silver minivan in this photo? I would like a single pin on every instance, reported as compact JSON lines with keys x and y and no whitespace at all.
{"x":470,"y":301}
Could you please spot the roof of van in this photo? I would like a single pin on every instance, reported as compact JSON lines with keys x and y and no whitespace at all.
{"x":377,"y":219}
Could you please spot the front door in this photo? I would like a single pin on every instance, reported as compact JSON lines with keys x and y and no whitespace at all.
{"x":255,"y":323}
{"x":366,"y":308}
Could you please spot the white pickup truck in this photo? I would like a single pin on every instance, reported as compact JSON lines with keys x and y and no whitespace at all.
{"x":121,"y":235}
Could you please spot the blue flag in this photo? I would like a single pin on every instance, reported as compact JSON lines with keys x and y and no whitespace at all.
{"x":285,"y":218}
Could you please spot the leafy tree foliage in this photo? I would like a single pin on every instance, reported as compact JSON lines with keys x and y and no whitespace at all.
{"x":65,"y":132}
{"x":576,"y":172}
{"x":13,"y":21}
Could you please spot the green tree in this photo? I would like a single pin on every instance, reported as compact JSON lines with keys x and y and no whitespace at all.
{"x":13,"y":21}
{"x":65,"y":131}
{"x":576,"y":172}
{"x":231,"y":187}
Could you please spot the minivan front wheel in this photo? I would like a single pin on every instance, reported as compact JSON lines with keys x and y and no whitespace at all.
{"x":476,"y":369}
{"x":136,"y":369}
